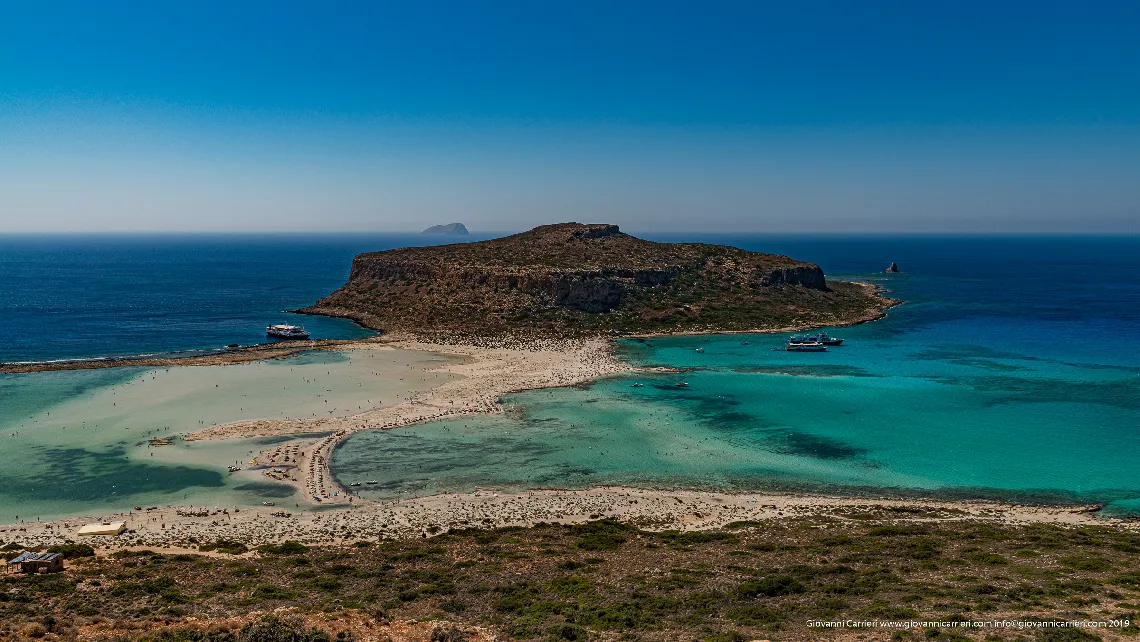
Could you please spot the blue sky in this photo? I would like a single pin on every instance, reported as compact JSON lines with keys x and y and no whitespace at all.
{"x":664,"y":116}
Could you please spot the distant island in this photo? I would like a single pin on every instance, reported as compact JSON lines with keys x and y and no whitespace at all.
{"x":579,"y":280}
{"x":452,"y":229}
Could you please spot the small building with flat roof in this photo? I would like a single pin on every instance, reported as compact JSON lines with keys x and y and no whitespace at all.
{"x":37,"y":563}
{"x":104,"y":528}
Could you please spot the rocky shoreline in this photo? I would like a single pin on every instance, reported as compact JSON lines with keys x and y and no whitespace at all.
{"x":656,"y":510}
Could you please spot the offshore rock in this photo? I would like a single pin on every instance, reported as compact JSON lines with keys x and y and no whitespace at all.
{"x":452,"y":229}
{"x":893,"y":268}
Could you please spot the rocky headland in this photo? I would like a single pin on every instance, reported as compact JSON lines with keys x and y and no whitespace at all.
{"x":582,"y":280}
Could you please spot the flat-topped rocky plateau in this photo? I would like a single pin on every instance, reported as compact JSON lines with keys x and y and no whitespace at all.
{"x":590,"y":280}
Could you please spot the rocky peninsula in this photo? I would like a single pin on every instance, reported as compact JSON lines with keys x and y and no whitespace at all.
{"x":590,"y":280}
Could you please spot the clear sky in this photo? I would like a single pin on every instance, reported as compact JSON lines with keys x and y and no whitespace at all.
{"x":908,"y":116}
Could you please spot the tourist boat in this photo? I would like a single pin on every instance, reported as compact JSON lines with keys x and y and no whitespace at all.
{"x":815,"y":346}
{"x":820,"y":337}
{"x":829,"y":341}
{"x":267,"y":504}
{"x":234,"y":469}
{"x":283,"y":331}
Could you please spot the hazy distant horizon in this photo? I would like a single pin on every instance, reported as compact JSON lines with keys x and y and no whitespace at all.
{"x":894,"y":117}
{"x":696,"y":236}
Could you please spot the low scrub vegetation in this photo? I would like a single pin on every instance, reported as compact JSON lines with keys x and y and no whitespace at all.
{"x":605,"y":580}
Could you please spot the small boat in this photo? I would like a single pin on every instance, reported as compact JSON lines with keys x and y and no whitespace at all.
{"x":683,"y":384}
{"x":285,"y":331}
{"x":233,"y":346}
{"x":829,"y":341}
{"x":233,"y":469}
{"x":268,"y":504}
{"x":700,"y":350}
{"x":371,"y":482}
{"x":743,"y":343}
{"x":638,"y":385}
{"x":354,"y":484}
{"x":805,"y":347}
{"x":820,"y":337}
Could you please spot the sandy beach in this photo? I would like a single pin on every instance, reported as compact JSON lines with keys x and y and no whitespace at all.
{"x":484,"y":374}
{"x":181,"y":528}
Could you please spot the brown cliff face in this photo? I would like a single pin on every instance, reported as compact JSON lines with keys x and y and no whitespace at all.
{"x":572,"y":279}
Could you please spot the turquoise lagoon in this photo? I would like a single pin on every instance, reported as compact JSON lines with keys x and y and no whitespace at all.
{"x":1019,"y":381}
{"x":1012,"y":371}
{"x":77,"y":442}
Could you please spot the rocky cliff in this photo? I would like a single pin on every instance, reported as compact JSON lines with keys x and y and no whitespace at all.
{"x":575,"y":279}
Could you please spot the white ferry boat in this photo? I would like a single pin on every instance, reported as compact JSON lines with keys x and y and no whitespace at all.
{"x":805,"y":346}
{"x":820,"y":337}
{"x":283,"y":331}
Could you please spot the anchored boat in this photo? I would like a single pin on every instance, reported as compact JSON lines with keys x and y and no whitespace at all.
{"x":804,"y":346}
{"x":819,"y":337}
{"x":284,"y":331}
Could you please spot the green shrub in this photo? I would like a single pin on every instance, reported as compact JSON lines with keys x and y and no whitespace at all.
{"x":880,"y":610}
{"x":755,"y":616}
{"x":774,"y":586}
{"x":71,"y":551}
{"x":600,"y":535}
{"x":288,"y":547}
{"x":328,"y":584}
{"x":1085,"y":563}
{"x":571,"y":585}
{"x":227,"y":546}
{"x":453,"y":606}
{"x":694,"y":537}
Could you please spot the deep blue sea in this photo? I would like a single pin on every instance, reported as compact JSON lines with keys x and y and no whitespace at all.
{"x":1012,"y":371}
{"x":65,"y":297}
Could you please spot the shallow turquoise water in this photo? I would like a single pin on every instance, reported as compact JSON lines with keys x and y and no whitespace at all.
{"x":1012,"y":371}
{"x":77,"y":443}
{"x":1021,"y":383}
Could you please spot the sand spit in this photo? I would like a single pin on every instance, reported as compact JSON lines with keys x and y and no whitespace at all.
{"x":485,"y":373}
{"x":236,"y":355}
{"x":489,"y":370}
{"x":179,"y":528}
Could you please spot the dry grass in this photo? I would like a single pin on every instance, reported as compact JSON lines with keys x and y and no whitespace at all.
{"x":607,"y":579}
